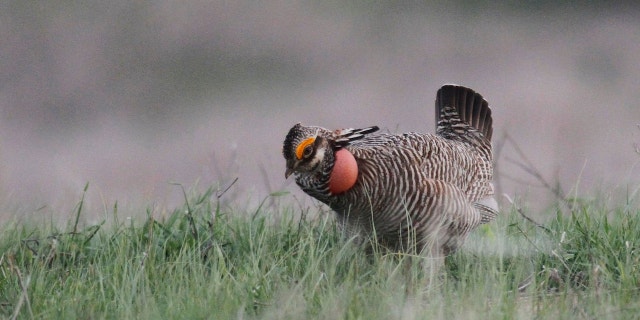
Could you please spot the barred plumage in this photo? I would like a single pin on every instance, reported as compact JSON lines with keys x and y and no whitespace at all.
{"x":413,"y":191}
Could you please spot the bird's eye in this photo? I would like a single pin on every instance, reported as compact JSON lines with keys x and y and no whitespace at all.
{"x":307,"y":151}
{"x":305,"y":148}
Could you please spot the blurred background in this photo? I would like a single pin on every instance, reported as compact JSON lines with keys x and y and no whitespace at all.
{"x":130,"y":96}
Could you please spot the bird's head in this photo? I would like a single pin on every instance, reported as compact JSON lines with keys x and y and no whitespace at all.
{"x":318,"y":151}
{"x":305,"y":148}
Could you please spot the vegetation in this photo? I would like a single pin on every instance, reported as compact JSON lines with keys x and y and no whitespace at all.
{"x":204,"y":261}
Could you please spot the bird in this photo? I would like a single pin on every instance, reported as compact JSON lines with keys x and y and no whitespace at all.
{"x":410,"y":192}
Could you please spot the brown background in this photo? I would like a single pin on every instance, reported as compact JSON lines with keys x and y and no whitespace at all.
{"x":130,"y":96}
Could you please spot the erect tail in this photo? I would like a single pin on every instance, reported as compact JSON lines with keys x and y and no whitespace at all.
{"x":462,"y":114}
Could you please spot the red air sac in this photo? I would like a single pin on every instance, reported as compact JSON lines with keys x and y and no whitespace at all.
{"x":345,"y":172}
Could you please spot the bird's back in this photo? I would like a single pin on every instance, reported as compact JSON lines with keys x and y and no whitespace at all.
{"x":409,"y":158}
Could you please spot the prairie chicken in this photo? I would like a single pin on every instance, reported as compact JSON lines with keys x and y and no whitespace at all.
{"x":408,"y":192}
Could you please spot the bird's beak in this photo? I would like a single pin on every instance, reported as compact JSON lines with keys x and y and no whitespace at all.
{"x":291,"y":165}
{"x":288,"y":173}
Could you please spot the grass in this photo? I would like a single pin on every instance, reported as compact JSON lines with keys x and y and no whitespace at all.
{"x":202,"y":261}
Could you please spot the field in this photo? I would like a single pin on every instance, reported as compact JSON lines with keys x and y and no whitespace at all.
{"x":207,"y":261}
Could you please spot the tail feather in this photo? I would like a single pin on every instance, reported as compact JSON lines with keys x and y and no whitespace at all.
{"x":459,"y":109}
{"x":488,"y":208}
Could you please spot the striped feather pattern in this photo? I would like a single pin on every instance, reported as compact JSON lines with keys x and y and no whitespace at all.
{"x":414,"y":191}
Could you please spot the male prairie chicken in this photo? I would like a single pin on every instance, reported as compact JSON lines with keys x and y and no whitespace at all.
{"x":411,"y":191}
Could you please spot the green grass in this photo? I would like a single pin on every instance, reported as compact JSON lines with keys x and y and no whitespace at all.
{"x":585,"y":264}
